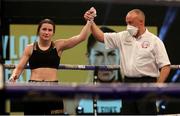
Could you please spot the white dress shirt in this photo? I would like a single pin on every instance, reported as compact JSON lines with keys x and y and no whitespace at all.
{"x":142,"y":56}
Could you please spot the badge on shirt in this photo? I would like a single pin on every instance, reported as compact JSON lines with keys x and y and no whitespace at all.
{"x":145,"y":44}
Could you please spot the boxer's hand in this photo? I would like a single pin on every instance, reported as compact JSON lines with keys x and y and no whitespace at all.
{"x":12,"y":78}
{"x":90,"y":14}
{"x":93,"y":12}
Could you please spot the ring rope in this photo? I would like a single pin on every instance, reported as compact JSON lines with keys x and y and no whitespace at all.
{"x":75,"y":67}
{"x":116,"y":90}
{"x":84,"y":67}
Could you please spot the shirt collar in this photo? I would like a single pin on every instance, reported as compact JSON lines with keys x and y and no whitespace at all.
{"x":146,"y":31}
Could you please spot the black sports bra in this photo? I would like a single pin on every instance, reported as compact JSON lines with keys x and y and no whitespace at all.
{"x":44,"y":58}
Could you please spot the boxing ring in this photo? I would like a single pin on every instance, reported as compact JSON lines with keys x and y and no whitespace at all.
{"x":121,"y":90}
{"x":96,"y":90}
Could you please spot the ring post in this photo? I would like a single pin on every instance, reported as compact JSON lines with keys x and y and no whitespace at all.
{"x":94,"y":97}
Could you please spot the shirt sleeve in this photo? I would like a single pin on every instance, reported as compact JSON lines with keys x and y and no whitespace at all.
{"x":161,"y":54}
{"x":110,"y":40}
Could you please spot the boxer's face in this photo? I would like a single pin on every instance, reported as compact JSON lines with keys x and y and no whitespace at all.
{"x":101,"y":56}
{"x":46,"y":31}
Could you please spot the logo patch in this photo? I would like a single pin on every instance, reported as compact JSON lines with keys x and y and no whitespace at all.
{"x":145,"y":44}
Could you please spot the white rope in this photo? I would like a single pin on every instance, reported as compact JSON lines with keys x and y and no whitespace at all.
{"x":84,"y":67}
{"x":75,"y":67}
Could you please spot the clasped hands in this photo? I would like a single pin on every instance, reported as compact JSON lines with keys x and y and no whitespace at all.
{"x":90,"y":14}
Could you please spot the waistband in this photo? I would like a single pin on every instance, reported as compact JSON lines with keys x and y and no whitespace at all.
{"x":140,"y":79}
{"x":55,"y":81}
